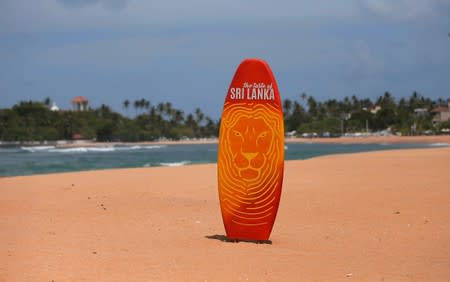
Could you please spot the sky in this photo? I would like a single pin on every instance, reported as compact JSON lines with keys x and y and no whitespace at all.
{"x":186,"y":52}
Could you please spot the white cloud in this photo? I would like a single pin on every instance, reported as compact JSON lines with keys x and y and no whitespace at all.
{"x":407,"y":10}
{"x":43,"y":15}
{"x":107,"y":4}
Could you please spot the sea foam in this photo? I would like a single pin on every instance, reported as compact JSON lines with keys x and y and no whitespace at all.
{"x":37,"y":148}
{"x":53,"y":149}
{"x":439,"y":145}
{"x":82,"y":150}
{"x":173,"y":164}
{"x":140,"y":147}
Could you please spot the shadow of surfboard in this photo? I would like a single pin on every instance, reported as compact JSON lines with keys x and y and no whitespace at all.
{"x":224,"y":238}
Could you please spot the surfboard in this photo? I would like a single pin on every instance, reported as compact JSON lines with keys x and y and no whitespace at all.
{"x":250,"y":160}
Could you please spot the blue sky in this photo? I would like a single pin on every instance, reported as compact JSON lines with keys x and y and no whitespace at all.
{"x":186,"y":52}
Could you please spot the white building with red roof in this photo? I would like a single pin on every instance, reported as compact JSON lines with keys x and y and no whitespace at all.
{"x":80,"y":103}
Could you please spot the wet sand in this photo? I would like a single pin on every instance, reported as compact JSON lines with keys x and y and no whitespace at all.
{"x":378,"y":216}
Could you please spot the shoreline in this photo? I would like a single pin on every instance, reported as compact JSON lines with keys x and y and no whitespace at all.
{"x":375,"y":140}
{"x":369,"y":216}
{"x":215,"y":163}
{"x":385,"y":142}
{"x":339,"y":140}
{"x":319,"y":140}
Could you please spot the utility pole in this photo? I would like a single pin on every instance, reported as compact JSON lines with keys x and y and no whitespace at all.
{"x":344,"y":116}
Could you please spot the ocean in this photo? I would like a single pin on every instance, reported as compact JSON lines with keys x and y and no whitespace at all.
{"x":49,"y":159}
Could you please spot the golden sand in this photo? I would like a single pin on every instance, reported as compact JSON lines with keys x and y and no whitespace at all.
{"x":379,"y":216}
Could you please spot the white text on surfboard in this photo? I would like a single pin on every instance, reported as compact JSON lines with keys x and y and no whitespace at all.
{"x":253,"y":91}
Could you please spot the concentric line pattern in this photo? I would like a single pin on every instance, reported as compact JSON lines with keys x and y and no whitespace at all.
{"x":250,"y":201}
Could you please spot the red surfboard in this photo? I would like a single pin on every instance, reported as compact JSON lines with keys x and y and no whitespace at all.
{"x":251,"y":153}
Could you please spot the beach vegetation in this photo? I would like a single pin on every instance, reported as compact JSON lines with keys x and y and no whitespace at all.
{"x":333,"y":117}
{"x":306,"y":115}
{"x":34,"y":121}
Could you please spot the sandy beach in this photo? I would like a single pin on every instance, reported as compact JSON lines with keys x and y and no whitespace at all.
{"x":379,"y":216}
{"x":390,"y":139}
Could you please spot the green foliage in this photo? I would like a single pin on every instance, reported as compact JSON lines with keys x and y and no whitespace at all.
{"x":33,"y":121}
{"x":445,"y":124}
{"x":351,"y":115}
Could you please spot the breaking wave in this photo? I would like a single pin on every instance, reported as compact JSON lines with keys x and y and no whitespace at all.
{"x":82,"y":150}
{"x":140,"y":147}
{"x":439,"y":145}
{"x":33,"y":149}
{"x":182,"y":163}
{"x":53,"y":149}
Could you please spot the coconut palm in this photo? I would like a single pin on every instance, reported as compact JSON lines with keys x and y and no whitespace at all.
{"x":287,"y":107}
{"x":126,"y":104}
{"x":136,"y":106}
{"x":47,"y":101}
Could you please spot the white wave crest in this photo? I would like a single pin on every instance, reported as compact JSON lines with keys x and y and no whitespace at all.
{"x":182,"y":163}
{"x":140,"y":147}
{"x":82,"y":150}
{"x":440,"y":145}
{"x":53,"y":149}
{"x":37,"y":148}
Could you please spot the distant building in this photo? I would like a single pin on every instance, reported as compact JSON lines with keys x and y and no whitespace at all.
{"x":78,"y":136}
{"x":54,"y":107}
{"x":291,"y":134}
{"x":375,"y":109}
{"x":80,"y":103}
{"x":441,"y":114}
{"x":420,"y":112}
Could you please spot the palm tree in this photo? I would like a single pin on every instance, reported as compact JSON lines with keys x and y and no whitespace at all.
{"x":388,"y":100}
{"x":287,"y":107}
{"x":190,"y":120}
{"x":356,"y":103}
{"x":303,"y":96}
{"x":160,"y":108}
{"x":332,"y":107}
{"x":168,"y":110}
{"x":142,"y":104}
{"x":47,"y":101}
{"x":136,"y":106}
{"x":347,"y":104}
{"x":199,"y":116}
{"x":312,"y":106}
{"x":126,"y":104}
{"x":177,"y":117}
{"x":366,"y":103}
{"x":210,"y":127}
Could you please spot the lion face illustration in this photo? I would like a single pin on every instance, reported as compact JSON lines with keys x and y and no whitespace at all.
{"x":250,"y":163}
{"x":251,"y":150}
{"x":250,"y":139}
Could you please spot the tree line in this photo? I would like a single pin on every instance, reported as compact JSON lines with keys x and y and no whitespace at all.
{"x":407,"y":116}
{"x":33,"y":121}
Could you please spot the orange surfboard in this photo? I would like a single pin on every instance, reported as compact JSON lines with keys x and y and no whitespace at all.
{"x":251,"y":153}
